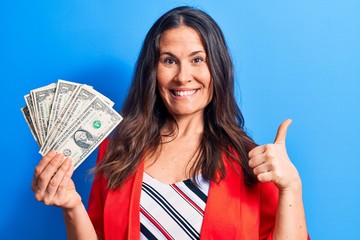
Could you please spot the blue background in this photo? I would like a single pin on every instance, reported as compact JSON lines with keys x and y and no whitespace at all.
{"x":294,"y":59}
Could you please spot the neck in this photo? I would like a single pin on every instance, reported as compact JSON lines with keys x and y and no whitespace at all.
{"x":173,"y":159}
{"x":187,"y":126}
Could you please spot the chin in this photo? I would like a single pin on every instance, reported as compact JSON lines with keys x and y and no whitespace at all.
{"x":186,"y":113}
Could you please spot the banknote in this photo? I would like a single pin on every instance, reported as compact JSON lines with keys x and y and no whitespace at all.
{"x":69,"y":117}
{"x":77,"y":104}
{"x":42,"y":100}
{"x":64,"y":90}
{"x":87,"y":131}
{"x":30,"y":107}
{"x":26,"y":113}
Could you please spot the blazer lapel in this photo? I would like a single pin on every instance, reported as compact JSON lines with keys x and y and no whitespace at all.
{"x":231,"y":209}
{"x":122,"y":213}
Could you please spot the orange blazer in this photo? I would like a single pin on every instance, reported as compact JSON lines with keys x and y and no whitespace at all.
{"x":233,"y":210}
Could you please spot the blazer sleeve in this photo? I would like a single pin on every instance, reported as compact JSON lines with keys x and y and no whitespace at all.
{"x":97,"y":196}
{"x":269,"y":195}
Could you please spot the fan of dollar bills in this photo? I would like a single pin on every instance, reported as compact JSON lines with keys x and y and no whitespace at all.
{"x":70,"y":118}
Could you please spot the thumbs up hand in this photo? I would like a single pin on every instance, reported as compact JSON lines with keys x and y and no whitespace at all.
{"x":271,"y":162}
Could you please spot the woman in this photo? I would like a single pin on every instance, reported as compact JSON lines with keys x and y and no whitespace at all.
{"x":180,"y":164}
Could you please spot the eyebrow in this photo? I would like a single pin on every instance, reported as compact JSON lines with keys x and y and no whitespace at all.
{"x":190,"y":55}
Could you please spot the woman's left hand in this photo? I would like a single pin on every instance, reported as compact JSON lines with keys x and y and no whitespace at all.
{"x":271,"y":162}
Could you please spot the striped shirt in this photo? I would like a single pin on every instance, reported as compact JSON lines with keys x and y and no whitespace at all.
{"x":172,"y":211}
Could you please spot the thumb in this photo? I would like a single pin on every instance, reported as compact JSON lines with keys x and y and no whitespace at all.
{"x":281,"y":133}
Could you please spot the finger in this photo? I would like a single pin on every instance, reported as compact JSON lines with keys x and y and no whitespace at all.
{"x":41,"y":166}
{"x":256,"y":161}
{"x":265,"y":177}
{"x":48,"y":173}
{"x":281,"y":133}
{"x":263,"y":168}
{"x":64,"y":185}
{"x":256,"y":151}
{"x":57,"y":179}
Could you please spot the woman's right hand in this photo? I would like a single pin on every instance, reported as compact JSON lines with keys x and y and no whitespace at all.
{"x":52,"y":183}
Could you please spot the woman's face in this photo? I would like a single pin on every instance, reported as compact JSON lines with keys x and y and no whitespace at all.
{"x":183,"y":76}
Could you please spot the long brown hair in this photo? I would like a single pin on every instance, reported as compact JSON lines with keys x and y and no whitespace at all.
{"x":145,"y":114}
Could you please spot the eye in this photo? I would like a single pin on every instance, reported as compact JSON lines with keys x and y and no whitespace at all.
{"x":169,"y":61}
{"x":198,"y":60}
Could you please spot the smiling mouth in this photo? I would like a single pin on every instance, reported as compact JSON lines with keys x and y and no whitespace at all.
{"x":183,"y":93}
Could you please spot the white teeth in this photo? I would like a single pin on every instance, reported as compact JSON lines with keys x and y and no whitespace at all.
{"x":184,"y":93}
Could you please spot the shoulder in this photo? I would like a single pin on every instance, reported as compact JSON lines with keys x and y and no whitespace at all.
{"x":231,"y":160}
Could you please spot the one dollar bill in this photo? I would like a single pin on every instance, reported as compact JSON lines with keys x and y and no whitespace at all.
{"x":87,"y":131}
{"x":70,"y":118}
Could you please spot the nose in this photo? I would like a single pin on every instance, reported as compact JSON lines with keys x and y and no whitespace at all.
{"x":184,"y":73}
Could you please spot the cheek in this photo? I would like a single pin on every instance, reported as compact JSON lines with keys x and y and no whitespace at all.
{"x":162,"y":92}
{"x":161,"y":85}
{"x":206,"y":76}
{"x":162,"y":77}
{"x":159,"y":80}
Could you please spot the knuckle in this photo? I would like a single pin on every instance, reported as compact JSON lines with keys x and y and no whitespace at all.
{"x":251,"y":163}
{"x":251,"y":153}
{"x":270,"y":156}
{"x":62,"y":186}
{"x":38,"y":170}
{"x":54,"y":163}
{"x":42,"y":178}
{"x":263,"y":178}
{"x":64,"y":169}
{"x":260,"y":178}
{"x":51,"y":153}
{"x":267,"y":146}
{"x":56,"y":203}
{"x":53,"y":182}
{"x":38,"y":196}
{"x":47,"y":201}
{"x":46,"y":158}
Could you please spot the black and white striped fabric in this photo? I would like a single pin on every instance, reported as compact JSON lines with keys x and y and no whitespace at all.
{"x":172,"y":211}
